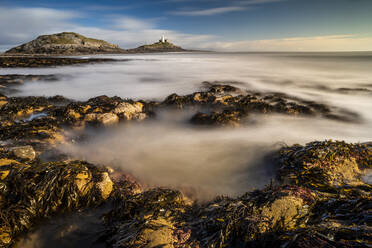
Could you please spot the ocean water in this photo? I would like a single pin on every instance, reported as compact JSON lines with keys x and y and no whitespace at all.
{"x":169,"y":152}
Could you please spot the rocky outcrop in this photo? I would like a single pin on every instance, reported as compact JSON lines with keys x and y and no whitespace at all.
{"x":66,"y":43}
{"x":226,"y":105}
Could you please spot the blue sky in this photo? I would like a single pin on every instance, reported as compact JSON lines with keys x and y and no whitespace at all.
{"x":230,"y":25}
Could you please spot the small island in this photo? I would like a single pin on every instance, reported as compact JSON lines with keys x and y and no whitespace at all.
{"x":66,"y":43}
{"x":162,"y":46}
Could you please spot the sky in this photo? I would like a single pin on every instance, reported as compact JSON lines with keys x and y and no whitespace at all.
{"x":221,"y":25}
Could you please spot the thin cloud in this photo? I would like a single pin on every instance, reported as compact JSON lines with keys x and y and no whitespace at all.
{"x":19,"y":24}
{"x":251,"y":2}
{"x":209,"y":12}
{"x":131,"y":23}
{"x":311,"y":44}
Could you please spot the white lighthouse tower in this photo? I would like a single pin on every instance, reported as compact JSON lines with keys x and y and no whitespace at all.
{"x":163,"y":39}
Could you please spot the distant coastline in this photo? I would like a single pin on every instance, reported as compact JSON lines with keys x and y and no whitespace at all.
{"x":72,"y":44}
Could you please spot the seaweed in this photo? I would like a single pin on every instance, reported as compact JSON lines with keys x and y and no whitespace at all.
{"x":50,"y":188}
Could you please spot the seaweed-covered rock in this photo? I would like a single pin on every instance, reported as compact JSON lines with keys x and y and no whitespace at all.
{"x":227,"y":105}
{"x":147,"y":219}
{"x":324,"y":164}
{"x":32,"y":191}
{"x":42,"y":61}
{"x":226,"y":118}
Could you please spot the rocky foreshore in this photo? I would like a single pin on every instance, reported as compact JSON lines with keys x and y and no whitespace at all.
{"x":44,"y":61}
{"x":318,"y":197}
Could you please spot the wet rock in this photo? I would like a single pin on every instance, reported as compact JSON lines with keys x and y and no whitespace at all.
{"x":324,"y":164}
{"x":105,"y":186}
{"x":105,"y":110}
{"x":107,"y":119}
{"x":176,"y":100}
{"x":147,"y":219}
{"x":130,"y":111}
{"x":226,"y":118}
{"x":2,"y":103}
{"x":42,"y":190}
{"x":31,"y":61}
{"x":24,"y":152}
{"x":284,"y":210}
{"x":73,"y":115}
{"x":225,"y":102}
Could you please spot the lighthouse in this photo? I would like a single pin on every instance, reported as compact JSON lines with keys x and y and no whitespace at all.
{"x":162,"y":39}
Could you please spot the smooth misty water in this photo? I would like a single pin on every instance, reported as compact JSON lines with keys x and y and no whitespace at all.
{"x":215,"y":161}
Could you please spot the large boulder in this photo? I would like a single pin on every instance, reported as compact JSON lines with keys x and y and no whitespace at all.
{"x":24,"y":152}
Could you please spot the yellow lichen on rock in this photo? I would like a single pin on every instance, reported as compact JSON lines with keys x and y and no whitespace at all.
{"x":346,"y":171}
{"x":105,"y":185}
{"x":223,"y":99}
{"x":86,"y":108}
{"x":284,"y":209}
{"x":130,"y":111}
{"x":107,"y":119}
{"x":90,"y":117}
{"x":73,"y":114}
{"x":28,"y":111}
{"x":159,"y":236}
{"x":2,"y":103}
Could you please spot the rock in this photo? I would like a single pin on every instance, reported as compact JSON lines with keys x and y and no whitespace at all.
{"x":90,"y":117}
{"x":226,"y":118}
{"x":107,"y":119}
{"x":2,"y":103}
{"x":285,"y":210}
{"x":161,"y":235}
{"x":41,"y":190}
{"x":130,"y":111}
{"x":73,"y":114}
{"x":324,"y":164}
{"x":105,"y":185}
{"x":24,"y":152}
{"x":147,"y":219}
{"x":43,"y":61}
